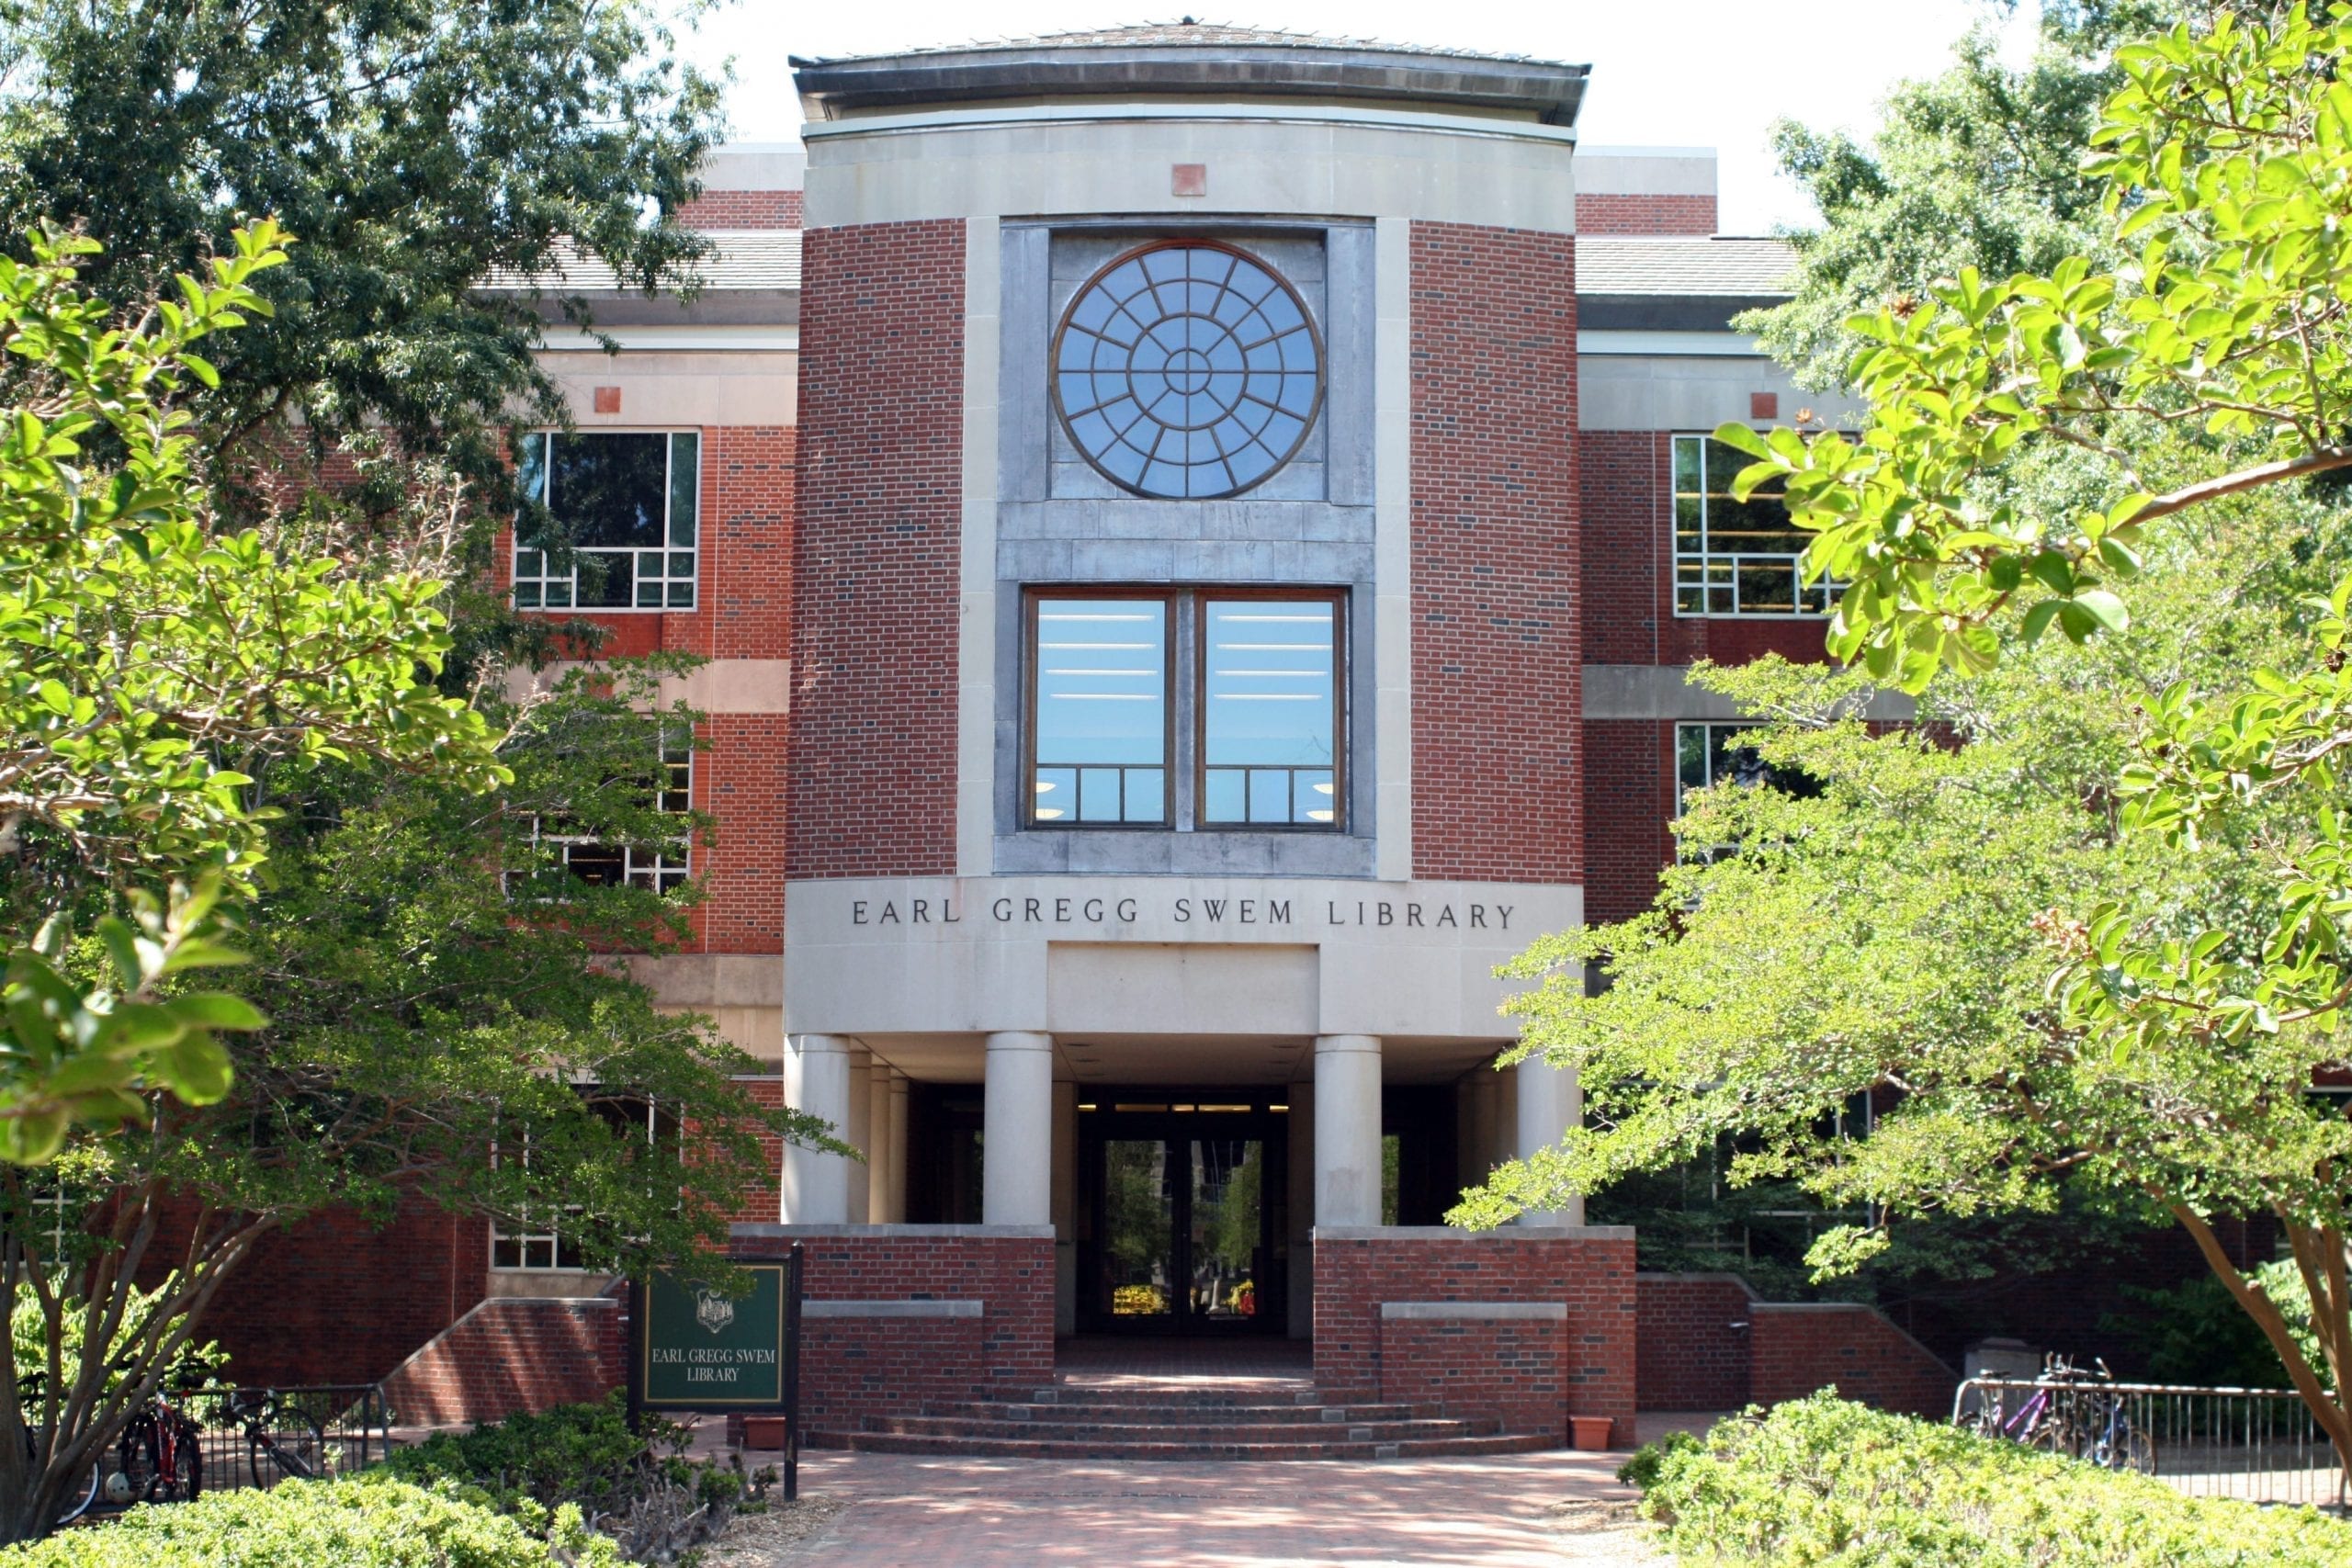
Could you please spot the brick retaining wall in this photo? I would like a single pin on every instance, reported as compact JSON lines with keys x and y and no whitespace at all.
{"x":1707,"y":1343}
{"x":1523,"y":1371}
{"x":857,"y":1366}
{"x":510,"y":1354}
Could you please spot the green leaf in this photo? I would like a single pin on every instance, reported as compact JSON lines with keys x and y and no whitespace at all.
{"x":2105,"y":608}
{"x":215,"y":1009}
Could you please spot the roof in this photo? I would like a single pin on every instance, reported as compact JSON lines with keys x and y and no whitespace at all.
{"x":1720,"y":266}
{"x":739,"y":259}
{"x":1188,"y":32}
{"x":1187,"y":58}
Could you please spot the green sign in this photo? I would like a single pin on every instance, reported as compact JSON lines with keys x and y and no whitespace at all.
{"x":700,"y":1348}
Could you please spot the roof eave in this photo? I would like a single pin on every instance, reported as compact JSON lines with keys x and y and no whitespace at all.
{"x":1551,"y":93}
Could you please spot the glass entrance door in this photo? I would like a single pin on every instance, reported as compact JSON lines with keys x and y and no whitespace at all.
{"x":1182,"y":1227}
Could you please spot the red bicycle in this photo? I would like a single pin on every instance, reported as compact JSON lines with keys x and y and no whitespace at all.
{"x":161,"y":1457}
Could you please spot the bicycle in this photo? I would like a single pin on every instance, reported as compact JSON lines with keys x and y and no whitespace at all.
{"x":162,"y":1456}
{"x":282,"y":1441}
{"x":84,"y":1490}
{"x":2120,"y":1444}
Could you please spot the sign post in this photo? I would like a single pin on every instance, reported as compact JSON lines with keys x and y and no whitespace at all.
{"x":792,"y":1375}
{"x":696,"y":1347}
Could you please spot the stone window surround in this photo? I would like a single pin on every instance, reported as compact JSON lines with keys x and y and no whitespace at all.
{"x":1255,"y":539}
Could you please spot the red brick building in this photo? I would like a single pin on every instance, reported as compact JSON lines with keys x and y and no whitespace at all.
{"x":1197,"y":536}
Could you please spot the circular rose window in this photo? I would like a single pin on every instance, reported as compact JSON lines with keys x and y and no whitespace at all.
{"x":1187,"y":369}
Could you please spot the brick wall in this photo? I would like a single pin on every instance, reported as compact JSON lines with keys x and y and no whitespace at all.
{"x":1624,"y":486}
{"x":742,"y":209}
{"x":1693,"y":1359}
{"x":1692,"y":1356}
{"x":1591,"y":1272}
{"x":1628,"y":815}
{"x":1495,"y":586}
{"x":509,"y":1354}
{"x":762,"y":1202}
{"x":871,"y":769}
{"x":337,"y":1299}
{"x":743,"y":610}
{"x":856,"y":1367}
{"x":1622,"y":212}
{"x":1513,"y":1369}
{"x":1803,"y":1347}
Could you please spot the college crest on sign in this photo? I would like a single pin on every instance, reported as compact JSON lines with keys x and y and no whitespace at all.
{"x":713,"y":1310}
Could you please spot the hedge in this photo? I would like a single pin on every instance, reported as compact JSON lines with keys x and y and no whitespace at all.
{"x":369,"y":1521}
{"x":1821,"y":1480}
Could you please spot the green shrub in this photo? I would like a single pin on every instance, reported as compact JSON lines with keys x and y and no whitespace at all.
{"x":1641,"y":1469}
{"x":1823,"y":1481}
{"x":639,"y":1488}
{"x":369,"y":1521}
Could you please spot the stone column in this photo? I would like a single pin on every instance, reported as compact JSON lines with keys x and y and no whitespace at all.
{"x":882,"y":1151}
{"x":816,"y":1080}
{"x":1017,"y":1124}
{"x":1550,"y":1102}
{"x":858,"y":1133}
{"x":1301,"y":1195}
{"x":1347,"y":1130}
{"x":895,"y":1210}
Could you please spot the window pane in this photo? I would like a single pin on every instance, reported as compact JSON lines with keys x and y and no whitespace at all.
{"x":1102,"y":689}
{"x":609,"y":488}
{"x":686,"y":452}
{"x":1225,"y":797}
{"x":607,"y":580}
{"x":1269,"y":705}
{"x":1056,"y":794}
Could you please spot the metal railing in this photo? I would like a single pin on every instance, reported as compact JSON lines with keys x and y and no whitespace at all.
{"x":351,"y":1422}
{"x":2258,"y":1445}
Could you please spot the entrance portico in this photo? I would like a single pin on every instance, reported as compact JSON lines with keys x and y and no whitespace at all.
{"x":1140,"y":997}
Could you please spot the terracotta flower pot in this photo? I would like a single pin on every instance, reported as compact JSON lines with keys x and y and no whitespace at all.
{"x":1590,"y":1433}
{"x":764,"y":1431}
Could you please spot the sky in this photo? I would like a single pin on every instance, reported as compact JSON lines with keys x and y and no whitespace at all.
{"x":1664,"y":73}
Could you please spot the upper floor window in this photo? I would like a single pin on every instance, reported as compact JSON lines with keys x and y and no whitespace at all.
{"x":1099,"y":722}
{"x":624,"y":506}
{"x":1707,"y":755}
{"x":1187,"y":369}
{"x":1261,"y":675}
{"x":1269,"y":718}
{"x":656,"y":868}
{"x":1735,"y":557}
{"x":545,"y":1242}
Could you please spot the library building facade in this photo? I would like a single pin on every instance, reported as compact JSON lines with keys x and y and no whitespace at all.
{"x":1195,"y":536}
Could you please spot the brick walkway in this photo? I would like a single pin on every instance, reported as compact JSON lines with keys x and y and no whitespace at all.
{"x":1494,"y":1513}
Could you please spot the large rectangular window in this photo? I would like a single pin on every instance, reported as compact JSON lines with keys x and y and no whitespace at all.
{"x":1269,"y":711}
{"x":544,"y":1243}
{"x":1707,"y":755}
{"x":1262,"y":674}
{"x":625,"y":502}
{"x":657,"y":868}
{"x":1735,"y":557}
{"x":1099,"y":725}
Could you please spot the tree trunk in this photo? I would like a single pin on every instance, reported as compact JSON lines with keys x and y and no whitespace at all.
{"x":2327,"y":1406}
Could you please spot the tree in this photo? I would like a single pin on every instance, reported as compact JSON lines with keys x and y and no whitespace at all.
{"x":420,"y":149}
{"x":2182,"y":1020}
{"x":150,"y":656}
{"x":1980,"y":166}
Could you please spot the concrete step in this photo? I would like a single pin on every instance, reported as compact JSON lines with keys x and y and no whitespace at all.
{"x":1211,"y":1398}
{"x":1177,"y":1450}
{"x":1118,"y":1429}
{"x":1157,"y":1411}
